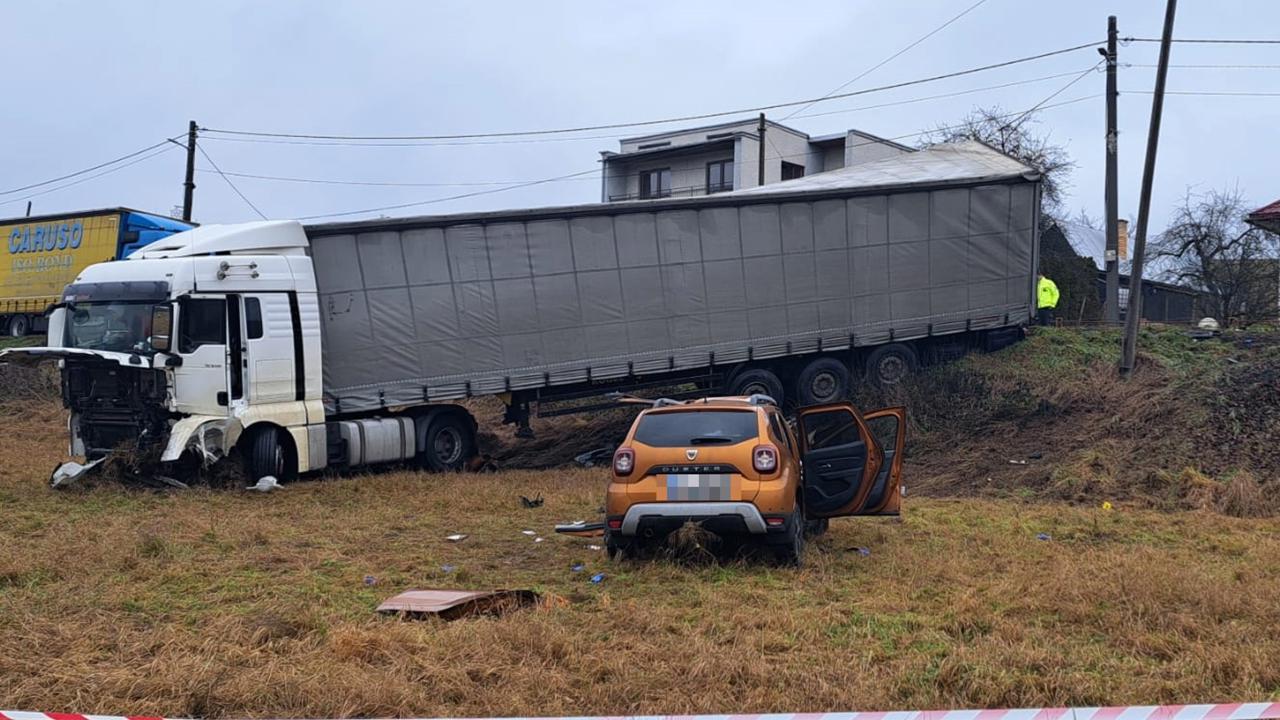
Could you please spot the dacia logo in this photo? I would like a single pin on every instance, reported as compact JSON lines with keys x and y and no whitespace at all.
{"x":690,"y":454}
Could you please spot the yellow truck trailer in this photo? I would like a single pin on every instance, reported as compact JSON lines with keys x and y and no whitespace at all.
{"x":47,"y":252}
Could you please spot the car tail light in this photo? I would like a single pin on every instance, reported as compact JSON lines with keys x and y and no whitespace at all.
{"x":615,"y":523}
{"x":624,"y":461}
{"x":764,"y":458}
{"x":774,"y":521}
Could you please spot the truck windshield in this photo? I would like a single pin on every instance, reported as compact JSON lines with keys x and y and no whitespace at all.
{"x":112,"y":326}
{"x":697,"y":427}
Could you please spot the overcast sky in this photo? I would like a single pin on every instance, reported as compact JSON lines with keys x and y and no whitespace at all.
{"x":90,"y":81}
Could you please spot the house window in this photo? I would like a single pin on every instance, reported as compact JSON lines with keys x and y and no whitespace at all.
{"x":719,"y":176}
{"x":655,"y":183}
{"x":791,"y":171}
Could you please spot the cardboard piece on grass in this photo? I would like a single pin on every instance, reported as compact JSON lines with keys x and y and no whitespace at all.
{"x":456,"y":604}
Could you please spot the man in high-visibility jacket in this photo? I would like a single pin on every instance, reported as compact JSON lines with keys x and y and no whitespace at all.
{"x":1046,"y":299}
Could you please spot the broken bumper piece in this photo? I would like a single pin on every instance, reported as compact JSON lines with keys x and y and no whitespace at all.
{"x":69,"y":472}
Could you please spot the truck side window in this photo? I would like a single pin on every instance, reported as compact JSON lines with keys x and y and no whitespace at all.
{"x":253,"y":317}
{"x":201,"y":322}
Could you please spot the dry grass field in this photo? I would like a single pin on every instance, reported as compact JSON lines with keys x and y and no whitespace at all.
{"x":233,"y":604}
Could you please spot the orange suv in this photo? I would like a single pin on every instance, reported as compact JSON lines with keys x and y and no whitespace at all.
{"x":735,"y":466}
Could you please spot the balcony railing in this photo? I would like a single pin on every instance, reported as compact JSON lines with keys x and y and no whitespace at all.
{"x":691,"y":191}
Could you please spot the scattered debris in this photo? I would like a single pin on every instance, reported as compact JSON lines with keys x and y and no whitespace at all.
{"x":597,"y":578}
{"x":456,"y":604}
{"x":581,"y":528}
{"x":1106,"y":505}
{"x":538,"y":539}
{"x":528,"y":504}
{"x":446,"y":569}
{"x":1044,"y":536}
{"x":577,"y":567}
{"x":70,"y":471}
{"x":456,"y":537}
{"x":863,"y":551}
{"x":596,"y":548}
{"x":1036,"y":455}
{"x":530,"y":533}
{"x":1017,"y":462}
{"x":266,"y":483}
{"x":370,"y":580}
{"x":172,"y":482}
{"x":592,"y":458}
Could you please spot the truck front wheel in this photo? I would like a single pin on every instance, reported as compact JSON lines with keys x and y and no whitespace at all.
{"x":18,"y":326}
{"x":450,"y":443}
{"x":757,"y":381}
{"x":267,"y":453}
{"x":824,"y":380}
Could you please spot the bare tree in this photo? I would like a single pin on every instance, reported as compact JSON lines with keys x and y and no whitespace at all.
{"x":1209,"y":246}
{"x":1013,"y":135}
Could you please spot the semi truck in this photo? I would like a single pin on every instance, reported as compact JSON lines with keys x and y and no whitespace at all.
{"x":347,"y":344}
{"x":49,"y":251}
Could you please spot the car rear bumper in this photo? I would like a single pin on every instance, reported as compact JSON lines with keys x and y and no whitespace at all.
{"x":742,"y":515}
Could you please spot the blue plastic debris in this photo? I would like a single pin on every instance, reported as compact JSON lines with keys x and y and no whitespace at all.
{"x":864,"y":552}
{"x":577,"y":567}
{"x":597,"y":578}
{"x":1044,"y":536}
{"x":370,"y":580}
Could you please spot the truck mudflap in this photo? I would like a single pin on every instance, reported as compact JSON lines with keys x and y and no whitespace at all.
{"x":208,"y":438}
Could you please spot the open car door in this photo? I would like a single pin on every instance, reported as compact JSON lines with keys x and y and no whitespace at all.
{"x":889,"y":428}
{"x":841,"y":459}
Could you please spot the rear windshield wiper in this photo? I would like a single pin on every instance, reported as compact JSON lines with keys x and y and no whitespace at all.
{"x":711,"y":440}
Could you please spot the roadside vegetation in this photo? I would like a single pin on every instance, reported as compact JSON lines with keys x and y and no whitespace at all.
{"x":1133,"y":558}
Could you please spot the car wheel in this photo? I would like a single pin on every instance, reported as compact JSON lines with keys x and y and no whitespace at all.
{"x":757,"y":381}
{"x":792,"y":553}
{"x":449,"y":444}
{"x":824,"y":380}
{"x":617,"y":547}
{"x":889,"y":364}
{"x":816,"y":528}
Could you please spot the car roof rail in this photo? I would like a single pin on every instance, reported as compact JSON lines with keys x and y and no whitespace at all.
{"x":761,"y":399}
{"x":666,"y":402}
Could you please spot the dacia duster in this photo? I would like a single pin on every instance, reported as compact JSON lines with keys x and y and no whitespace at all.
{"x":736,"y":466}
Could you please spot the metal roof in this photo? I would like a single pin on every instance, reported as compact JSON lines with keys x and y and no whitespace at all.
{"x":1266,"y":217}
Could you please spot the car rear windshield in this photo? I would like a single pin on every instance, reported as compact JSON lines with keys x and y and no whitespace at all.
{"x":701,"y":427}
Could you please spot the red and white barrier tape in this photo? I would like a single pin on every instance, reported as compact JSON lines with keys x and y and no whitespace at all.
{"x":1238,"y":711}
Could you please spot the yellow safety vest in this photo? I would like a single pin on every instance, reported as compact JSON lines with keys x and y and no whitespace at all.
{"x":1046,"y":294}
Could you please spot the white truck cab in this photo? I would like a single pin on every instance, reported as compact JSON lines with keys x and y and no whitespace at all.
{"x":208,"y":341}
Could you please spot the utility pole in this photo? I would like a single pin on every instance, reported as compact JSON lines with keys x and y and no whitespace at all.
{"x":1129,"y":350}
{"x":761,"y":129}
{"x":189,"y":187}
{"x":1112,"y":304}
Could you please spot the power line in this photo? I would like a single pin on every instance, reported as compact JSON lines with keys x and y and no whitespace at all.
{"x":1206,"y":67}
{"x":940,"y":96}
{"x":892,"y":57}
{"x":86,"y":170}
{"x":558,"y":178}
{"x":611,"y":136}
{"x":446,"y":199}
{"x":108,"y":171}
{"x":1053,"y":95}
{"x":246,"y":200}
{"x":1210,"y":41}
{"x":1225,"y":93}
{"x":686,"y":118}
{"x":370,"y":183}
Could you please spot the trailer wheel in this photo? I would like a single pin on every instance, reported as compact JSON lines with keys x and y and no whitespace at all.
{"x":824,"y":380}
{"x":757,"y":381}
{"x":267,"y":453}
{"x":450,"y":443}
{"x":889,"y":364}
{"x":18,"y":326}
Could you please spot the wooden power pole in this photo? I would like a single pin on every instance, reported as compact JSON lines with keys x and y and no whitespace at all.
{"x":1133,"y":315}
{"x":189,"y":187}
{"x":1112,"y":304}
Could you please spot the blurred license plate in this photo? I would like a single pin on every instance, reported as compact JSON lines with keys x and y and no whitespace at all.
{"x":698,"y":487}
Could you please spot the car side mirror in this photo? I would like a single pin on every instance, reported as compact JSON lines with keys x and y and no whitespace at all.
{"x":161,"y":328}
